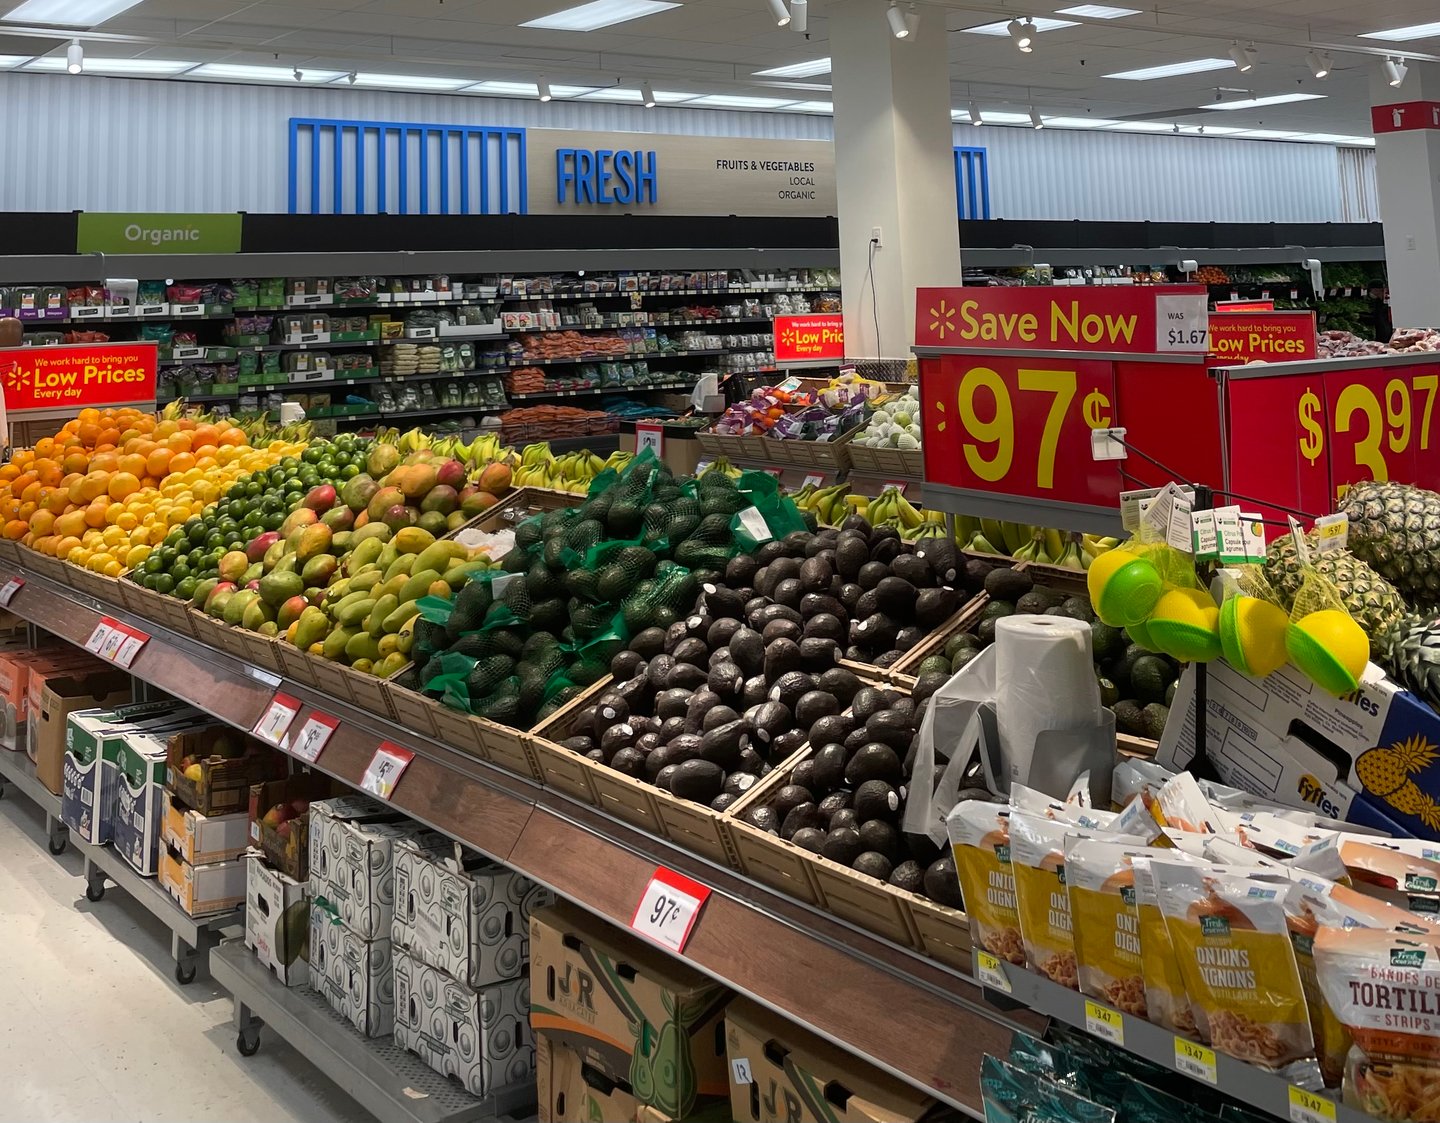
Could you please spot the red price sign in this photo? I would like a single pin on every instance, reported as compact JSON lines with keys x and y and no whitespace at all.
{"x":1019,"y":426}
{"x":82,"y":374}
{"x":801,"y":339}
{"x":1272,"y":337}
{"x":1377,"y":423}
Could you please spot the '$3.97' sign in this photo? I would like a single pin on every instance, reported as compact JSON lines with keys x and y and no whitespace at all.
{"x":1017,"y":425}
{"x":1374,"y":424}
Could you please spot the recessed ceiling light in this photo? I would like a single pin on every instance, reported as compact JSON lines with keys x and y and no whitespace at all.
{"x":797,"y":69}
{"x":1404,"y":34}
{"x":1257,"y":102}
{"x":629,"y":93}
{"x":145,"y":67}
{"x":410,"y":82}
{"x":1002,"y":27}
{"x":237,"y":72}
{"x":68,"y":13}
{"x":811,"y":107}
{"x":1171,"y":70}
{"x":1078,"y":123}
{"x":1097,"y":11}
{"x":735,"y":101}
{"x":598,"y":14}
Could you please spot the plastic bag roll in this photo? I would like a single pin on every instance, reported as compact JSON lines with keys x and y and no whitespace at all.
{"x":1044,"y":679}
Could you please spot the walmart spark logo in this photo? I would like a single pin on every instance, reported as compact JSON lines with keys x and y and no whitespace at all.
{"x":943,"y":322}
{"x":788,"y":337}
{"x":17,"y":377}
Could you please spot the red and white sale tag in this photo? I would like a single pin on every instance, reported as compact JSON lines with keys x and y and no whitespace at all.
{"x":385,"y":769}
{"x":313,"y":736}
{"x":669,"y":908}
{"x":117,"y":642}
{"x":9,"y":589}
{"x":275,"y":722}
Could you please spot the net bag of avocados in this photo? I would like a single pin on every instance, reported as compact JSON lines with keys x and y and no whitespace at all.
{"x":769,"y":514}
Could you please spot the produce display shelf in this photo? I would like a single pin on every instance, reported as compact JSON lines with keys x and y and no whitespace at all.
{"x":265,"y":387}
{"x":667,"y":292}
{"x":129,"y":318}
{"x":391,"y":1083}
{"x":190,"y":936}
{"x":923,"y":1021}
{"x":18,"y":770}
{"x":1256,"y":1087}
{"x":629,"y":357}
{"x":604,"y":390}
{"x":666,"y":324}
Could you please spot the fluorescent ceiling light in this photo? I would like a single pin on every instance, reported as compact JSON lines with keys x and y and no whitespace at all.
{"x":1209,"y":130}
{"x":993,"y":117}
{"x":10,"y":62}
{"x":811,"y":107}
{"x":1403,"y":34}
{"x":625,"y":93}
{"x":1173,"y":69}
{"x":151,"y":67}
{"x":598,"y":14}
{"x":1267,"y":134}
{"x":1037,"y":24}
{"x":410,"y":82}
{"x":1257,"y":102}
{"x":237,"y":72}
{"x":1340,"y":139}
{"x":1142,"y":127}
{"x":1078,"y":123}
{"x":734,"y":101}
{"x":1097,"y":11}
{"x":523,"y":89}
{"x":67,"y":13}
{"x":797,"y":69}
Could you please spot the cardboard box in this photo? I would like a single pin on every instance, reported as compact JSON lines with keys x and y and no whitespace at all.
{"x":471,"y":921}
{"x":139,"y":800}
{"x":92,"y":743}
{"x":16,"y":668}
{"x":203,"y":890}
{"x":200,"y":839}
{"x":351,"y":860}
{"x":277,"y":921}
{"x":354,"y":974}
{"x":570,"y":1091}
{"x":224,"y":784}
{"x":52,"y":699}
{"x":480,"y":1037}
{"x":288,"y":850}
{"x":797,"y":1077}
{"x":637,"y":1017}
{"x":1286,"y":739}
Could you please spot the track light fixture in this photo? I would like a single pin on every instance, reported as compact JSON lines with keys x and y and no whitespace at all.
{"x":647,"y":95}
{"x":975,"y":118}
{"x":1243,"y":57}
{"x":912,"y":20}
{"x":542,"y":89}
{"x":799,"y":15}
{"x":75,"y":57}
{"x":299,"y":74}
{"x":1319,"y":63}
{"x":1023,"y":33}
{"x":780,"y":12}
{"x":353,"y":77}
{"x":1036,"y":120}
{"x":1395,"y":70}
{"x":896,"y":19}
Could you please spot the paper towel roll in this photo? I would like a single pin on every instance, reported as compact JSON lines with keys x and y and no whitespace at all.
{"x":1044,"y":679}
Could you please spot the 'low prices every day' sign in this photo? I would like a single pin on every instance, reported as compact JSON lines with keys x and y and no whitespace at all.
{"x":1271,"y":337}
{"x":77,"y":375}
{"x":808,"y":339}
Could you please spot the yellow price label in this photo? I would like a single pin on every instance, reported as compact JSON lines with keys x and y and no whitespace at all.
{"x":1307,"y":1107}
{"x":1193,"y":1059}
{"x":990,"y":972}
{"x":1105,"y":1023}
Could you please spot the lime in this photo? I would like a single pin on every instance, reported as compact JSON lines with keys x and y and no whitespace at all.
{"x":195,"y":530}
{"x":312,"y":454}
{"x":185,"y":589}
{"x":179,"y":573}
{"x":272,"y":521}
{"x":154,"y":563}
{"x":349,"y":472}
{"x":215,"y":539}
{"x":164,"y":584}
{"x":175,"y":538}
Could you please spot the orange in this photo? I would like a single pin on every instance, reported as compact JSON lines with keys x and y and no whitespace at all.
{"x":45,"y":447}
{"x":95,"y":512}
{"x":49,"y":472}
{"x":93,"y":485}
{"x":89,"y":413}
{"x":8,"y":472}
{"x":25,"y":511}
{"x":104,"y":462}
{"x":123,"y":485}
{"x":132,"y":463}
{"x":22,"y":481}
{"x":31,"y":492}
{"x":15,"y":530}
{"x":89,"y":434}
{"x":166,"y":428}
{"x":182,"y":462}
{"x":234,"y":436}
{"x":56,"y":500}
{"x":41,"y":522}
{"x":180,"y":442}
{"x":45,"y":545}
{"x":158,"y":463}
{"x":63,"y":546}
{"x":70,"y":524}
{"x":110,"y":436}
{"x":75,"y":462}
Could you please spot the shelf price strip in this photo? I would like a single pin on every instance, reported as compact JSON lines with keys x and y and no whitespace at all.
{"x":1307,"y":1107}
{"x":1105,"y":1023}
{"x":382,"y":774}
{"x":313,"y":737}
{"x":669,"y":908}
{"x":990,"y":973}
{"x":1195,"y":1060}
{"x":116,"y":642}
{"x":9,"y":589}
{"x":275,"y":722}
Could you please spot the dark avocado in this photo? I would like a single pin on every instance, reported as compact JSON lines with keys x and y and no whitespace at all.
{"x":830,"y":727}
{"x":718,"y":716}
{"x":738,"y":783}
{"x":1007,"y":584}
{"x":741,"y":569}
{"x":648,"y":643}
{"x":770,"y":720}
{"x":726,"y":680}
{"x":871,"y":574}
{"x":764,"y":819}
{"x":842,"y":845}
{"x":876,"y":632}
{"x":850,"y":595}
{"x":835,"y":801}
{"x":657,"y":671}
{"x":914,"y":569}
{"x":877,"y":799}
{"x":626,"y":664}
{"x":809,"y":838}
{"x":609,"y":710}
{"x":874,"y":761}
{"x":941,"y":883}
{"x":698,"y":780}
{"x":812,"y":604}
{"x":927,"y":684}
{"x":868,"y":700}
{"x":782,"y":656}
{"x":665,"y":776}
{"x":781,"y":629}
{"x":791,"y":795}
{"x":829,"y":767}
{"x":881,"y":837}
{"x":908,"y":876}
{"x":691,"y":650}
{"x":845,"y":817}
{"x":788,"y":593}
{"x":934,"y":606}
{"x":822,"y":625}
{"x":747,"y":649}
{"x":842,"y":683}
{"x":629,"y":761}
{"x":722,"y":745}
{"x":815,"y":575}
{"x":672,"y":703}
{"x":897,"y":598}
{"x":670,"y":728}
{"x":803,"y":775}
{"x":648,"y":742}
{"x":787,"y":743}
{"x":686,"y":676}
{"x":701,"y":702}
{"x":723,"y":802}
{"x":721,"y":631}
{"x":851,"y":552}
{"x":873,"y":865}
{"x":755,"y":690}
{"x":722,"y":602}
{"x":805,"y":815}
{"x":818,"y":655}
{"x":581,"y":744}
{"x":791,"y":685}
{"x":813,"y":705}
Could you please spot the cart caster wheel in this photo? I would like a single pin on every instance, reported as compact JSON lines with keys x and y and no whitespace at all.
{"x":185,"y":975}
{"x":94,"y":892}
{"x":2,"y":791}
{"x":247,"y":1046}
{"x":58,"y":846}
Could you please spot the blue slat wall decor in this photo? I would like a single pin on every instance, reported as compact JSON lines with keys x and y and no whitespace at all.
{"x":972,"y":182}
{"x":398,"y":167}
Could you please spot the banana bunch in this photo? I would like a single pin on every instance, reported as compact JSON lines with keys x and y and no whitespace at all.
{"x":826,"y":504}
{"x":572,"y":472}
{"x":892,"y":507}
{"x":1093,"y":545}
{"x":485,"y":449}
{"x":721,"y":465}
{"x":413,"y":441}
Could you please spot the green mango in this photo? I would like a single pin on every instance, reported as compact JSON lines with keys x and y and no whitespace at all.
{"x":387,"y":556}
{"x":400,"y":617}
{"x":458,"y":575}
{"x":418,"y":585}
{"x":372,"y":530}
{"x":353,"y":614}
{"x":335,"y":642}
{"x":365,"y":580}
{"x":362,"y":645}
{"x":389,"y":665}
{"x":439,"y":556}
{"x":364,"y":554}
{"x":238,"y":603}
{"x":374,"y":623}
{"x":403,"y":564}
{"x":257,"y":612}
{"x":312,"y":627}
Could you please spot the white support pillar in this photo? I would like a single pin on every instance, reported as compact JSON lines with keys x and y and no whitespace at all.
{"x":895,"y":171}
{"x":1407,"y":170}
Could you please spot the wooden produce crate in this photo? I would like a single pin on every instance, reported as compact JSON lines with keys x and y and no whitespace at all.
{"x":944,"y":932}
{"x":961,"y":621}
{"x":46,"y":566}
{"x":9,"y":550}
{"x":91,"y":584}
{"x":331,"y":677}
{"x":136,"y":597}
{"x":518,"y":506}
{"x":232,"y":641}
{"x":559,"y":767}
{"x":369,"y":692}
{"x":820,"y":456}
{"x":768,"y":858}
{"x":909,"y":463}
{"x":260,"y":650}
{"x":299,"y":666}
{"x":411,"y":708}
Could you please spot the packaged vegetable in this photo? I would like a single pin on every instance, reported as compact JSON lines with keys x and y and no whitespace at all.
{"x":980,"y":838}
{"x":1167,"y":1003}
{"x":1132,"y":777}
{"x":1037,"y":862}
{"x":1384,"y":988}
{"x":1233,"y":944}
{"x":1014,"y":1095}
{"x":1100,"y":878}
{"x":1182,"y":804}
{"x":1144,"y":1103}
{"x":1383,"y":869}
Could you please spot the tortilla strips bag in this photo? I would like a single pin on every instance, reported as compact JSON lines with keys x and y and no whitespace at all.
{"x":980,"y":838}
{"x":1037,"y":860}
{"x":1166,"y":1001}
{"x":1383,"y":869}
{"x":1385,"y":989}
{"x":1100,"y":878}
{"x":1015,"y":1095}
{"x":1230,"y":936}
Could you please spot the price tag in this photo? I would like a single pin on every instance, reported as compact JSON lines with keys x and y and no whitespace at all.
{"x":1206,"y":537}
{"x":1194,"y":1060}
{"x":386,"y":767}
{"x":1297,"y":535}
{"x":98,"y":637}
{"x":1307,"y":1107}
{"x":813,"y":481}
{"x":1332,"y":532}
{"x":1182,"y":324}
{"x":990,"y":972}
{"x":651,"y":437}
{"x":9,"y":589}
{"x":275,"y":722}
{"x":129,"y":647}
{"x":188,"y":310}
{"x":668,"y":908}
{"x":1105,"y":1023}
{"x":313,"y":737}
{"x":1180,"y":532}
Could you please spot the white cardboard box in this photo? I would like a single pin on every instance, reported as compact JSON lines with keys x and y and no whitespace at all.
{"x":351,"y":860}
{"x":203,"y":890}
{"x":203,"y":839}
{"x":472,"y":922}
{"x":480,"y":1037}
{"x":139,"y":796}
{"x":277,"y":921}
{"x":353,"y":974}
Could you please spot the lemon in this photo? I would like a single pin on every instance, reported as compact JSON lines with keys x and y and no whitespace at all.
{"x":1330,"y":648}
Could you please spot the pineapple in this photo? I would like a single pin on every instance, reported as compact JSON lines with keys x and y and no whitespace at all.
{"x":1410,"y":652}
{"x":1396,"y":529}
{"x":1386,"y":772}
{"x":1367,"y":596}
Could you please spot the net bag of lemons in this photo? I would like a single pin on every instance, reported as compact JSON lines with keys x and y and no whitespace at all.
{"x":1253,"y":624}
{"x":1323,"y":640}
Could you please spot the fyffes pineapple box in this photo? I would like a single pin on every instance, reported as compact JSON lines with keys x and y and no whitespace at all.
{"x":139,"y":802}
{"x":628,"y":1009}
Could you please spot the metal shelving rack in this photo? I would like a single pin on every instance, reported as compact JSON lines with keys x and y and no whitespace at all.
{"x":18,"y":770}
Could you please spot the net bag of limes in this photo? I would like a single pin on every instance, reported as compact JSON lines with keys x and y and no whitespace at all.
{"x":1323,"y":640}
{"x":1253,"y":623}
